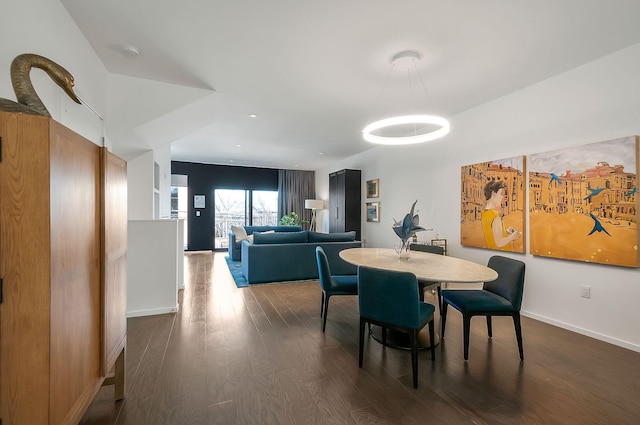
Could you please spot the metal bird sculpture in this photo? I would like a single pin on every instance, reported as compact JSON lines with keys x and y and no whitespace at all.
{"x":554,"y":177}
{"x":408,"y":226}
{"x":632,"y":192}
{"x":594,"y":192}
{"x":28,"y":100}
{"x":597,"y":227}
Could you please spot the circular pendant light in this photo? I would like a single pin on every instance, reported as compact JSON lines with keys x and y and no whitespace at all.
{"x":417,"y":128}
{"x":415,"y":120}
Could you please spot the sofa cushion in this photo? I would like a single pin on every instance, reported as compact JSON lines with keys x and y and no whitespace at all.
{"x":239,"y":232}
{"x":280,"y":237}
{"x":332,"y":237}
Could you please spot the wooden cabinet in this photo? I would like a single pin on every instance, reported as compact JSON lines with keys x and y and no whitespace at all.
{"x":345,"y":201}
{"x":63,"y":270}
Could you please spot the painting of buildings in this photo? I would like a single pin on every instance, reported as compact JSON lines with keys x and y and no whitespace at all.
{"x":509,"y":176}
{"x":583,"y":203}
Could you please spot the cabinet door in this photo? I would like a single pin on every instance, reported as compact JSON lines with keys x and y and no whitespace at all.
{"x":75,"y":274}
{"x":340,"y":201}
{"x":333,"y":202}
{"x":114,"y":266}
{"x":352,"y":202}
{"x":25,"y":269}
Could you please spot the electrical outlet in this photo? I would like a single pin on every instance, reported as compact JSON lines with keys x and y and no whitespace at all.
{"x":585,"y":291}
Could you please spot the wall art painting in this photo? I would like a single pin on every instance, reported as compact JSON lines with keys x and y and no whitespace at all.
{"x":373,"y":190}
{"x":583,"y":203}
{"x":373,"y":211}
{"x":492,"y":205}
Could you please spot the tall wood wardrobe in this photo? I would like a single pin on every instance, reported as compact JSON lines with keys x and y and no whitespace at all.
{"x":345,"y":201}
{"x":63,"y":249}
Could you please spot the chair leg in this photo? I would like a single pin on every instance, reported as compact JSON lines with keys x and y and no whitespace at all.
{"x":420,"y":291}
{"x":489,"y":330}
{"x":443,"y":319}
{"x":322,"y":305}
{"x":361,"y":344}
{"x":413,"y":335}
{"x":432,"y":339}
{"x":516,"y":323}
{"x":384,"y":336}
{"x":466,"y":319}
{"x":439,"y":298}
{"x":326,"y":310}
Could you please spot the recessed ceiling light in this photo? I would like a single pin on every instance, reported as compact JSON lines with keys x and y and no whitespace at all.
{"x":253,"y":116}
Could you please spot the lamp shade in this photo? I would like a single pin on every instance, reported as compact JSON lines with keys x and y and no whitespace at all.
{"x":314,"y":204}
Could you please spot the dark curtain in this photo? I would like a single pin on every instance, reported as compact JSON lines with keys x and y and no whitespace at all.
{"x":294,"y":187}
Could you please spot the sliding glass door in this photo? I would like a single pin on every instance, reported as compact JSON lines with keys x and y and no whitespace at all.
{"x":239,"y":207}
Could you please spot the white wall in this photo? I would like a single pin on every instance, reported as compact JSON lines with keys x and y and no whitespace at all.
{"x":163,"y":157}
{"x":44,"y":27}
{"x":140,"y":187}
{"x":595,"y":102}
{"x":152,"y":267}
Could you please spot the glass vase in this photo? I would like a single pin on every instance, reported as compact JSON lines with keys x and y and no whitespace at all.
{"x":402,"y":249}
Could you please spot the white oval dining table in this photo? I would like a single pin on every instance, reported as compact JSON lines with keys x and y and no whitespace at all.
{"x":426,"y":266}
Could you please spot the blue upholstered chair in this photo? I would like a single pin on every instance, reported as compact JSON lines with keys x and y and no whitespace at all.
{"x":390,"y":299}
{"x":332,"y":285}
{"x":423,"y":284}
{"x":502,"y":297}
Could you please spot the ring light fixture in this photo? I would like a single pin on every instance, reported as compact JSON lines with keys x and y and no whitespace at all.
{"x":420,"y":133}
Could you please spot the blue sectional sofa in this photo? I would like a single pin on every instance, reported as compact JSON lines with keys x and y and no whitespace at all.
{"x":274,"y":257}
{"x":234,"y":241}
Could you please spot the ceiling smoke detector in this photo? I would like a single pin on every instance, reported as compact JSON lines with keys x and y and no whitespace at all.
{"x":130,"y":51}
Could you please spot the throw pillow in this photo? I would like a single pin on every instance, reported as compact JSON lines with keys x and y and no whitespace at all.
{"x":280,"y":237}
{"x":332,"y":237}
{"x":239,"y":232}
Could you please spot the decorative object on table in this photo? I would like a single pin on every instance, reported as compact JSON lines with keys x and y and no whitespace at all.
{"x":372,"y":188}
{"x":440,"y":243}
{"x":28,"y":100}
{"x":373,"y":211}
{"x":492,"y":204}
{"x":405,"y":229}
{"x":292,"y":220}
{"x":584,"y":203}
{"x":313,"y":205}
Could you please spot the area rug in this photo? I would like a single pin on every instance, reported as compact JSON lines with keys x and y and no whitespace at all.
{"x":235,"y":267}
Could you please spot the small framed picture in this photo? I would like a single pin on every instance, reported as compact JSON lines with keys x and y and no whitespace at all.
{"x":373,"y":211}
{"x":372,"y":188}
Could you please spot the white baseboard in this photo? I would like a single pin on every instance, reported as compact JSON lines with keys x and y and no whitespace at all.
{"x":152,"y":312}
{"x":601,"y":337}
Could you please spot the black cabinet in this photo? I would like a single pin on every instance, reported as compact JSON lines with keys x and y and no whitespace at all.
{"x":344,"y":201}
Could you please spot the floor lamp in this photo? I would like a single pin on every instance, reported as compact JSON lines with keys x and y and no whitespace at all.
{"x":313,"y":205}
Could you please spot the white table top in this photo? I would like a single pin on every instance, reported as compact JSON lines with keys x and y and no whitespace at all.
{"x":426,"y":266}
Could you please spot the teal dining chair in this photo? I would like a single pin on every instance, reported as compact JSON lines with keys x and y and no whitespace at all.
{"x":424,"y":284}
{"x":332,"y":284}
{"x":501,"y":297}
{"x":389,"y":299}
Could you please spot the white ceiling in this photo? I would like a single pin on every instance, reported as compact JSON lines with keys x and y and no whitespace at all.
{"x":313,"y":71}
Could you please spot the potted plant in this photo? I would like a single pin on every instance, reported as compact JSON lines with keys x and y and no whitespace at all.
{"x":292,"y":220}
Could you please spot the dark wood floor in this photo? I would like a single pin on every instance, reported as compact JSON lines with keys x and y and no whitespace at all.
{"x":257,"y":356}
